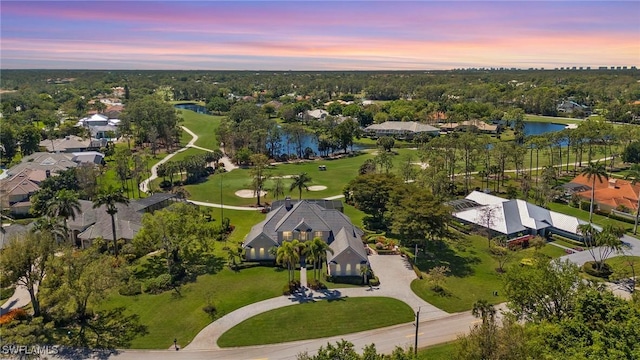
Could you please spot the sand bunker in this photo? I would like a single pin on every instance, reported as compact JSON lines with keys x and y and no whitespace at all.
{"x":248,"y":194}
{"x":317,"y":188}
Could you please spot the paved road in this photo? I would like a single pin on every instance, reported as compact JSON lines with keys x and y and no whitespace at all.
{"x":431,"y":332}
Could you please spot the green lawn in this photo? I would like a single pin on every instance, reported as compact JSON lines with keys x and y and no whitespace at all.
{"x":169,"y":316}
{"x":553,"y":251}
{"x":438,"y":352}
{"x":203,"y":125}
{"x":309,"y":321}
{"x":551,"y":119}
{"x":473,"y":274}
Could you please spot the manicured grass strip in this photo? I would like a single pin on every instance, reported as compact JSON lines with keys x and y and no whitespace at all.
{"x":551,"y":119}
{"x":553,"y":251}
{"x":168,"y":315}
{"x":438,"y":352}
{"x":317,"y":320}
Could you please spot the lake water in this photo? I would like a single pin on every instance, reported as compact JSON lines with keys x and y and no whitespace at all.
{"x":530,"y":128}
{"x":537,"y":128}
{"x":193,"y":107}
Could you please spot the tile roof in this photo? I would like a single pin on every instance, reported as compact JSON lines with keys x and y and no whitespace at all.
{"x":612,"y":191}
{"x":410,"y":126}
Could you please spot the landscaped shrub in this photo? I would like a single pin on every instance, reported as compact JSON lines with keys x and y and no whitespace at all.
{"x":591,"y":268}
{"x":17,"y":314}
{"x":380,"y":246}
{"x":130,"y":288}
{"x":584,"y":205}
{"x":417,"y":271}
{"x":6,"y":292}
{"x":158,"y":284}
{"x":353,"y":280}
{"x":165,"y":184}
{"x":316,"y":285}
{"x":621,"y":218}
{"x":386,"y":252}
{"x":211,"y":310}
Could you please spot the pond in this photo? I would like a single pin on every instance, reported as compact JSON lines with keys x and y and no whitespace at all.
{"x":288,"y":145}
{"x":538,"y":128}
{"x":193,"y":107}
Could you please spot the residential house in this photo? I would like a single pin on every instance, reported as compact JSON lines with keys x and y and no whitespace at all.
{"x":8,"y":232}
{"x":569,"y":107}
{"x":317,"y":114}
{"x":24,"y":179}
{"x":16,"y":190}
{"x":400,"y":129}
{"x":515,"y":219}
{"x":305,"y":220}
{"x":472,"y":125}
{"x":71,"y":143}
{"x":610,"y":194}
{"x":100,"y":126}
{"x":92,"y":223}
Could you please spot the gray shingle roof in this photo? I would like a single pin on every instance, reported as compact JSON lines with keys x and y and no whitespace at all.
{"x":11,"y":231}
{"x":303,"y":214}
{"x":347,"y":239}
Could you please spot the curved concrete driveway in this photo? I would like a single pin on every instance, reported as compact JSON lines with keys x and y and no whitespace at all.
{"x":19,"y":299}
{"x":395,"y":275}
{"x":579,"y":258}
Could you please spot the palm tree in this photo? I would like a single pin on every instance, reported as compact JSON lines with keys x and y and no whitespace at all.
{"x":634,"y":176}
{"x":317,"y":250}
{"x":110,"y":199}
{"x":485,"y":311}
{"x":64,"y":205}
{"x":594,"y":171}
{"x":300,"y":181}
{"x":287,"y":255}
{"x":365,"y":270}
{"x":50,"y":225}
{"x":234,"y":257}
{"x":278,"y":187}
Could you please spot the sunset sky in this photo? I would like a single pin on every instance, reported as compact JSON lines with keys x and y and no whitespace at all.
{"x":318,"y":35}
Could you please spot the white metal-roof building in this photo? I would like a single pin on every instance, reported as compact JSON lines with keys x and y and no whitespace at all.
{"x":516,"y":218}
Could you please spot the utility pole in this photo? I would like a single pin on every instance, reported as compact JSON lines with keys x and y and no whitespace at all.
{"x":415,"y":256}
{"x":417,"y":324}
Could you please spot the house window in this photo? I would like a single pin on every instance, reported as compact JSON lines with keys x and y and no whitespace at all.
{"x":303,"y":235}
{"x":287,"y":235}
{"x":317,"y":234}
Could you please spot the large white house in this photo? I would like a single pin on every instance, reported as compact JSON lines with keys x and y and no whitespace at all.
{"x":514,"y":218}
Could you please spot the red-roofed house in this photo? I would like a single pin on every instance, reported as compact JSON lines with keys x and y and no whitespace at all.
{"x":610,"y":193}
